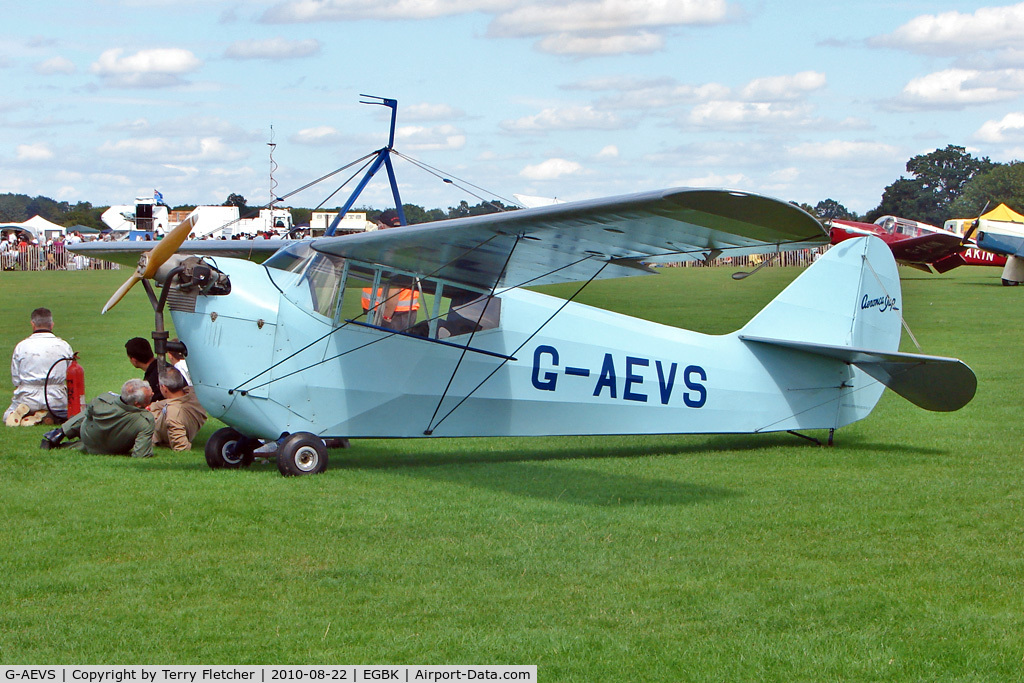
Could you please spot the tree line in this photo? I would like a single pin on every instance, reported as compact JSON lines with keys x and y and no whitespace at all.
{"x":18,"y":208}
{"x":947,"y":183}
{"x":944,"y":184}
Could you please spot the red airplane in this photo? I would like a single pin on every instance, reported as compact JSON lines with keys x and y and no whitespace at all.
{"x":917,"y":244}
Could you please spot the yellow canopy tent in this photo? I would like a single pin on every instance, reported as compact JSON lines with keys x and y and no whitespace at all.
{"x":1004,"y":213}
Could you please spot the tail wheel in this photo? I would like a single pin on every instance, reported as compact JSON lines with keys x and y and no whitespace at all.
{"x":228,"y":449}
{"x":301,"y":453}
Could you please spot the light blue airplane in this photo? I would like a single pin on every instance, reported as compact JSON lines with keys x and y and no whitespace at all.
{"x":311,"y":343}
{"x":426,"y":331}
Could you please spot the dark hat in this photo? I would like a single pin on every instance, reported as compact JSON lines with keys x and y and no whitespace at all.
{"x":390,"y":218}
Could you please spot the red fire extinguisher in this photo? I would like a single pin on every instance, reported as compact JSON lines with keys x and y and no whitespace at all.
{"x":76,"y":386}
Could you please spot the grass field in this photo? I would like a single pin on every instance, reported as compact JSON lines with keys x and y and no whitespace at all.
{"x":894,"y":556}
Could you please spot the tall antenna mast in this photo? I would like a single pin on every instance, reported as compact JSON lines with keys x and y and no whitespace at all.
{"x":273,"y":165}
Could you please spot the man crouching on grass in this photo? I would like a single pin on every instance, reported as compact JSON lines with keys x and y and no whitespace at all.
{"x":112,"y":424}
{"x":180,"y":415}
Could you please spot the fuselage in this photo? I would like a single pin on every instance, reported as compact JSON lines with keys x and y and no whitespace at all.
{"x":290,"y":350}
{"x":914,"y":242}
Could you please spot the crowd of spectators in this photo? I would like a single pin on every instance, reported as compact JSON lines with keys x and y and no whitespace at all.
{"x":19,"y":250}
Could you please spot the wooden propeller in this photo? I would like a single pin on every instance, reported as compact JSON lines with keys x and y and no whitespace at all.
{"x":150,"y":262}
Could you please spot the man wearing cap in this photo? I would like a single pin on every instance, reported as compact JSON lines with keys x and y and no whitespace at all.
{"x":400,"y":305}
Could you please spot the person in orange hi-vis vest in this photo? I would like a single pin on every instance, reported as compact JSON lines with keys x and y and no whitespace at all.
{"x":400,"y":306}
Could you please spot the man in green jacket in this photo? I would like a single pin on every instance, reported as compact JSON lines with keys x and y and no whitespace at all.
{"x":112,"y":424}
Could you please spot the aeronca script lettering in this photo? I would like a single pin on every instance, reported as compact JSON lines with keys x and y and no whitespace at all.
{"x":882,"y":303}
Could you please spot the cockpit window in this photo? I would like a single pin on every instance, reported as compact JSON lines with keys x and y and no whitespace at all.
{"x":380,"y":297}
{"x":318,"y":284}
{"x":468,"y":312}
{"x":290,"y":259}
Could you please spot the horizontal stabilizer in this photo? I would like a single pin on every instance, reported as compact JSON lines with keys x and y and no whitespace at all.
{"x":930,"y":382}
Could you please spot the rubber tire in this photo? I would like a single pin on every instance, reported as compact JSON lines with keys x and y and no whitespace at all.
{"x":301,"y":453}
{"x":222,"y":450}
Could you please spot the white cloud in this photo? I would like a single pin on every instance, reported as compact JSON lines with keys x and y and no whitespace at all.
{"x":551,"y":169}
{"x":569,"y":44}
{"x":172,"y":150}
{"x":184,"y":170}
{"x":295,"y":11}
{"x":55,"y":65}
{"x":146,"y":68}
{"x":1010,"y":128}
{"x":954,"y":32}
{"x":431,"y":112}
{"x":844,"y":149}
{"x":584,"y":117}
{"x":716,"y":180}
{"x":581,"y":28}
{"x":956,"y":88}
{"x":784,"y":176}
{"x":421,"y":138}
{"x":320,"y":135}
{"x":588,"y":16}
{"x":628,"y":92}
{"x":37,"y":152}
{"x":731,"y":113}
{"x":608,"y":152}
{"x":783,"y":88}
{"x":273,"y":48}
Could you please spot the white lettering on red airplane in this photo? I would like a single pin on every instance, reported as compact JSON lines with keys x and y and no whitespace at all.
{"x":979,"y":255}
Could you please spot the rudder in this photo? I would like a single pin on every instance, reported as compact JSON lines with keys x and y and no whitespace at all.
{"x":850,"y":296}
{"x":847,"y":307}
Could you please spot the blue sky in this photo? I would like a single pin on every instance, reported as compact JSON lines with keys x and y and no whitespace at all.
{"x":558,"y":98}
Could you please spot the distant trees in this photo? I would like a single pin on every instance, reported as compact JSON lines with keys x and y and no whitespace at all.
{"x":17,"y":208}
{"x":481,"y":209}
{"x":1002,"y":184}
{"x":235,"y":200}
{"x":83,"y":213}
{"x":417,"y":214}
{"x":302,"y":216}
{"x":939,"y":178}
{"x":830,"y":208}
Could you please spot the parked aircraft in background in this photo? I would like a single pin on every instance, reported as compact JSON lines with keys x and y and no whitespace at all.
{"x":917,"y":244}
{"x":1000,"y":232}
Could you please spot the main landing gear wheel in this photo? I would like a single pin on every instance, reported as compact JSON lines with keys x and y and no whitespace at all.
{"x":301,"y":453}
{"x":229,"y":449}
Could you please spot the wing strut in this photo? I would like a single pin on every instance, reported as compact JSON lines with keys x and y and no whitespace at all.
{"x":430,"y":429}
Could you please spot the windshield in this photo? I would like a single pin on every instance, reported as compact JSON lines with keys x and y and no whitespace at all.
{"x":316,"y":278}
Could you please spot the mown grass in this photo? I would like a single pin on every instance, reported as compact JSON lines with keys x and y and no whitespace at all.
{"x":895,"y":555}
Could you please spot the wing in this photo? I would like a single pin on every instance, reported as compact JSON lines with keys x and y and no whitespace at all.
{"x":574,"y":241}
{"x":127,"y":253}
{"x":926,"y":248}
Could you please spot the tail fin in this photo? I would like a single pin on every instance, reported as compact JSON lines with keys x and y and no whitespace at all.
{"x":847,"y":307}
